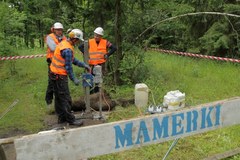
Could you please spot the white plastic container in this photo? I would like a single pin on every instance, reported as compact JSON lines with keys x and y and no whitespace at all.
{"x":141,"y":95}
{"x":174,"y":100}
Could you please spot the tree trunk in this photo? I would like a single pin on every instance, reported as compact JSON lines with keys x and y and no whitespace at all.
{"x":32,"y":45}
{"x":84,"y":17}
{"x":41,"y":37}
{"x":101,"y":16}
{"x":26,"y":35}
{"x":118,"y":40}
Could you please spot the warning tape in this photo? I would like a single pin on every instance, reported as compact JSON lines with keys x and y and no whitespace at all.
{"x":22,"y":57}
{"x":195,"y":55}
{"x":154,"y":49}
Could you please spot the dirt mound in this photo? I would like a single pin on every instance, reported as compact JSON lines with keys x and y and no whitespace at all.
{"x":107,"y":102}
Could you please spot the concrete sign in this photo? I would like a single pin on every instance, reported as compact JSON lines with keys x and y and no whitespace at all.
{"x":91,"y":141}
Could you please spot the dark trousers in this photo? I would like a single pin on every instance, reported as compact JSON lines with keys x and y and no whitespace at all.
{"x":63,"y":100}
{"x":49,"y":92}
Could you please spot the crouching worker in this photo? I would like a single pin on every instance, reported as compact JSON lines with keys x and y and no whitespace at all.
{"x":61,"y":69}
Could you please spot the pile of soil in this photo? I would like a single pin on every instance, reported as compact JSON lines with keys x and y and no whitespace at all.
{"x":107,"y":102}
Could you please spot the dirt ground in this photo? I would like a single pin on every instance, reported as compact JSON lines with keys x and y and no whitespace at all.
{"x":50,"y":120}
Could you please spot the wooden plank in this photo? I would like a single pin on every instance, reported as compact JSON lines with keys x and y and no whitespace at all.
{"x":224,"y":155}
{"x":8,"y":140}
{"x":91,"y":141}
{"x":2,"y":153}
{"x":7,"y":152}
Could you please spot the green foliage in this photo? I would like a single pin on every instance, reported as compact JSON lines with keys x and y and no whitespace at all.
{"x":132,"y":68}
{"x":6,"y":49}
{"x":235,"y":41}
{"x":32,"y":20}
{"x":231,"y":8}
{"x":215,"y":39}
{"x":222,"y":42}
{"x":199,"y":26}
{"x":11,"y":28}
{"x":25,"y":23}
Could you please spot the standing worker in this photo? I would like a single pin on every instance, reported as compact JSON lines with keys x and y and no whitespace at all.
{"x":99,"y":51}
{"x":61,"y":69}
{"x":52,"y":40}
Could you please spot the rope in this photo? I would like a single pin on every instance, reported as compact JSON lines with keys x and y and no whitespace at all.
{"x":109,"y":108}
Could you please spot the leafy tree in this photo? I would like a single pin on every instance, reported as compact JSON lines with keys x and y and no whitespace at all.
{"x":215,"y":40}
{"x":11,"y":28}
{"x":128,"y":24}
{"x":37,"y":21}
{"x":233,"y":24}
{"x":127,"y":61}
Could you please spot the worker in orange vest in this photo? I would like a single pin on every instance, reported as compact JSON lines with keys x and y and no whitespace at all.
{"x":52,"y":40}
{"x":99,"y":50}
{"x":60,"y":70}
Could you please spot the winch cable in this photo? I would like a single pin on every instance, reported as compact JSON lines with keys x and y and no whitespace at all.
{"x":184,"y":15}
{"x":109,"y":108}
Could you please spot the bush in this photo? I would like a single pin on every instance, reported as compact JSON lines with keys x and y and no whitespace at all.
{"x":132,"y":67}
{"x":6,"y":50}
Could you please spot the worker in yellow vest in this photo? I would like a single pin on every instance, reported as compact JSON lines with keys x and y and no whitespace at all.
{"x":61,"y":69}
{"x":52,"y":40}
{"x":99,"y":50}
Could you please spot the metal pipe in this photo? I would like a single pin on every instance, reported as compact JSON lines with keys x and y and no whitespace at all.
{"x":9,"y":108}
{"x":100,"y":101}
{"x":170,"y":148}
{"x":86,"y":89}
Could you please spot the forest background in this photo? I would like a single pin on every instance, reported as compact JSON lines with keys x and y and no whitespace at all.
{"x":25,"y":24}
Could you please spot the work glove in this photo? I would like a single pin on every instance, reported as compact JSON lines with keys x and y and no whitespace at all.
{"x":49,"y":60}
{"x":105,"y":56}
{"x":76,"y":81}
{"x":88,"y":68}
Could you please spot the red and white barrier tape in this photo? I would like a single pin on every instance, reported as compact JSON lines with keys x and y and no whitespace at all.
{"x":154,"y":49}
{"x":22,"y":57}
{"x":196,"y":55}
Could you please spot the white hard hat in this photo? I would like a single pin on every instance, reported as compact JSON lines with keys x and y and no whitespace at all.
{"x":58,"y":25}
{"x":99,"y":30}
{"x":76,"y":33}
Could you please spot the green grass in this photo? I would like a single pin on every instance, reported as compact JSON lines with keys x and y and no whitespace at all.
{"x":25,"y":80}
{"x":203,"y":81}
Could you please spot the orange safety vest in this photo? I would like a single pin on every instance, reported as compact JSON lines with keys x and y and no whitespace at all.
{"x":58,"y":62}
{"x":97,"y":51}
{"x":49,"y":52}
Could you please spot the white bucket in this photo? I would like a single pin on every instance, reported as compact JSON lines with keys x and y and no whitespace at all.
{"x":174,"y":100}
{"x":141,"y":95}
